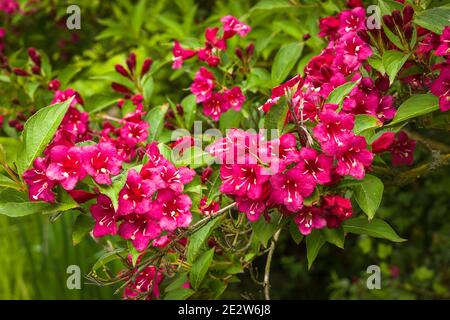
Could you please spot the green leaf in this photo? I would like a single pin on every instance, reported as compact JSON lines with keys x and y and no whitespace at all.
{"x":334,"y":236}
{"x":139,"y":14}
{"x":16,"y":204}
{"x":99,"y":102}
{"x":108,"y":257}
{"x":193,"y":157}
{"x":39,"y":131}
{"x":393,"y":38}
{"x":200,"y":268}
{"x":285,"y":60}
{"x":272,"y":4}
{"x":177,"y":283}
{"x":264,"y":230}
{"x":339,"y":93}
{"x":148,"y":86}
{"x":434,"y":19}
{"x":417,"y":105}
{"x":377,"y":63}
{"x":190,"y":108}
{"x":46,"y":67}
{"x":295,"y":233}
{"x":155,"y":118}
{"x":180,"y":294}
{"x":364,"y":122}
{"x":314,"y":243}
{"x":8,"y":183}
{"x":230,"y":119}
{"x":165,"y":150}
{"x":198,"y":239}
{"x":81,"y":227}
{"x":387,"y":6}
{"x":393,"y":61}
{"x":375,"y":228}
{"x":368,"y":194}
{"x":276,"y":117}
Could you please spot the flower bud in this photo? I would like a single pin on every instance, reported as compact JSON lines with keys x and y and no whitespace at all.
{"x":121,"y":70}
{"x":120,"y":88}
{"x":239,"y":53}
{"x":389,"y":22}
{"x":397,"y":16}
{"x":250,"y":49}
{"x":306,"y":36}
{"x":36,"y":69}
{"x":20,"y":72}
{"x":34,"y":56}
{"x":54,"y":85}
{"x":146,"y":66}
{"x":408,"y":13}
{"x":131,"y":62}
{"x":408,"y":30}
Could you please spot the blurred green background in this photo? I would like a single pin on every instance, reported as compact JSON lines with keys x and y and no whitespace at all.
{"x":35,"y":253}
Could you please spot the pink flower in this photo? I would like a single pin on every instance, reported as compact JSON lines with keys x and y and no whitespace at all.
{"x":180,"y":55}
{"x":309,"y":218}
{"x":155,"y":164}
{"x":314,"y":166}
{"x":175,"y":210}
{"x":61,"y":96}
{"x":383,"y":143}
{"x":215,"y":106}
{"x":287,"y":151}
{"x":134,"y":132}
{"x":136,"y":195}
{"x":253,"y":208}
{"x":291,"y":188}
{"x":101,"y":161}
{"x":332,"y":129}
{"x":247,"y":180}
{"x":441,"y":88}
{"x":386,"y":110}
{"x":208,"y":209}
{"x":234,"y":97}
{"x":141,"y":228}
{"x":402,"y":150}
{"x":353,"y":158}
{"x":353,"y":49}
{"x":232,"y":25}
{"x":444,"y":47}
{"x":175,"y":178}
{"x":105,"y":217}
{"x":329,"y":26}
{"x":281,"y":90}
{"x":76,"y":122}
{"x":9,"y":6}
{"x":336,"y":209}
{"x":207,"y":55}
{"x":54,"y":85}
{"x":212,"y":41}
{"x":39,"y":185}
{"x":203,"y":85}
{"x":66,"y":166}
{"x":352,"y":20}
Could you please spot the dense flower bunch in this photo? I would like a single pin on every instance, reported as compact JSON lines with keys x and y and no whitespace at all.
{"x":214,"y":103}
{"x":151,"y":203}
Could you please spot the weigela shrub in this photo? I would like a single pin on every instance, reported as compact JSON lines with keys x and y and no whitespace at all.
{"x":321,"y":145}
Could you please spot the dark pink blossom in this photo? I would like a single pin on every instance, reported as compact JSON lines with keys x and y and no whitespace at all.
{"x":291,"y":188}
{"x":441,"y":88}
{"x":232,"y":25}
{"x":352,"y":20}
{"x":180,"y":55}
{"x":383,"y":143}
{"x":136,"y":195}
{"x":353,"y":158}
{"x":212,"y":41}
{"x":134,"y":132}
{"x":281,"y":90}
{"x":147,"y":280}
{"x":208,"y":208}
{"x":309,"y":218}
{"x":402,"y":150}
{"x":444,"y":47}
{"x":332,"y":129}
{"x":336,"y":209}
{"x":175,"y":178}
{"x":207,"y":55}
{"x":253,"y":208}
{"x":101,"y":161}
{"x":234,"y":97}
{"x":203,"y":85}
{"x":315,"y":166}
{"x":39,"y":185}
{"x":215,"y":106}
{"x":175,"y":209}
{"x":66,"y":166}
{"x":61,"y":96}
{"x":105,"y":217}
{"x":141,"y":228}
{"x":329,"y":26}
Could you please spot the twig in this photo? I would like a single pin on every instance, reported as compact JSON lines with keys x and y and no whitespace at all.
{"x":266,"y":283}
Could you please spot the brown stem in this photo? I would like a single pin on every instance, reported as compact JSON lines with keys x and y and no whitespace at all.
{"x":266,"y":282}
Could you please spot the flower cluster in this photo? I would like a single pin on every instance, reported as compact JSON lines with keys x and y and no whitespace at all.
{"x":262,"y":174}
{"x":216,"y":41}
{"x":151,"y":203}
{"x":214,"y":102}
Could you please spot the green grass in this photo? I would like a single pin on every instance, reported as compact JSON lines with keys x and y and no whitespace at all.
{"x":35,"y":254}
